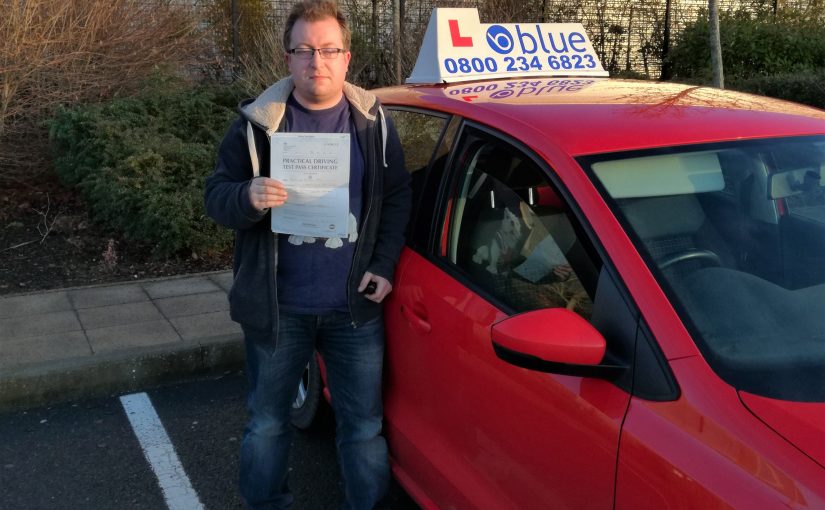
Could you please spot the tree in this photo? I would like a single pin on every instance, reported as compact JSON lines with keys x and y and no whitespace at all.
{"x":396,"y":39}
{"x":715,"y":45}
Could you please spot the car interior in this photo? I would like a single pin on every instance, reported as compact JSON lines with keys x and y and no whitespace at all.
{"x":737,"y":237}
{"x":512,"y":236}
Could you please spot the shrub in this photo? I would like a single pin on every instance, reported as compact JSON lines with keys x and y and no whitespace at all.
{"x":753,"y":44}
{"x":806,"y":88}
{"x":778,"y":54}
{"x":140,"y":162}
{"x":75,"y":51}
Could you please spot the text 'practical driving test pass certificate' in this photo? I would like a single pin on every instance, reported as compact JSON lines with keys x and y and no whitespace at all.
{"x":314,"y":167}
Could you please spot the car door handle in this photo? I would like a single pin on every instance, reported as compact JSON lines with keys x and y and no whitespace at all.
{"x":417,"y":322}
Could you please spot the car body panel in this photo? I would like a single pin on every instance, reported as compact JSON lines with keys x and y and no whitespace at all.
{"x":479,"y":421}
{"x":706,"y":450}
{"x":650,"y":114}
{"x":800,"y":422}
{"x":467,"y":430}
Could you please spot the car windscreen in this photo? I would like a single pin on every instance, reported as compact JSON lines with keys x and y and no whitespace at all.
{"x":735,"y":233}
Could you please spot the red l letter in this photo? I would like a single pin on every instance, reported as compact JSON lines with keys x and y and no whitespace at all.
{"x":458,"y":41}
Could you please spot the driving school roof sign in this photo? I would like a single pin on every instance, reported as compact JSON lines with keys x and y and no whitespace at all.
{"x":458,"y":47}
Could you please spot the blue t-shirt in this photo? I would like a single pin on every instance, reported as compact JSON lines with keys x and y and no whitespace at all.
{"x":312,"y":275}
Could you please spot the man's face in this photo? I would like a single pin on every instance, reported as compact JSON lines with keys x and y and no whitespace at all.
{"x":319,"y":82}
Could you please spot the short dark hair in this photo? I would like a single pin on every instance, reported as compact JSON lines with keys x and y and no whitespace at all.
{"x":316,"y":10}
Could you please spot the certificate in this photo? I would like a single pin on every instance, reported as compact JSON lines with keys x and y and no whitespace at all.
{"x":314,"y":167}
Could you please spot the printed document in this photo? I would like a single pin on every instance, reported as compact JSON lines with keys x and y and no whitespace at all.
{"x":314,"y":167}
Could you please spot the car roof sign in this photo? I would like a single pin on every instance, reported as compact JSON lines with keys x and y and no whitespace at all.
{"x":458,"y":47}
{"x":523,"y":90}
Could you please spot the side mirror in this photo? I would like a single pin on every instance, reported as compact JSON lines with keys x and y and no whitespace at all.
{"x":553,"y":340}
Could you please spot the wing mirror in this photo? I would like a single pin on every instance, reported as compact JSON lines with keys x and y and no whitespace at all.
{"x":554,"y":340}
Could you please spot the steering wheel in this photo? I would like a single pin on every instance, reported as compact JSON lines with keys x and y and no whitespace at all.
{"x":706,"y":256}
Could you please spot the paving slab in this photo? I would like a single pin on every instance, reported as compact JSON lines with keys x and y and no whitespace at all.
{"x":42,"y":348}
{"x":91,"y":341}
{"x":180,"y":287}
{"x":119,"y":315}
{"x":224,"y":280}
{"x":92,"y":297}
{"x":38,"y":325}
{"x":205,"y":325}
{"x":33,"y":304}
{"x":195,"y":304}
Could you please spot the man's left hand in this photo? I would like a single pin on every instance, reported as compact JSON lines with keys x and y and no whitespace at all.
{"x":382,"y":287}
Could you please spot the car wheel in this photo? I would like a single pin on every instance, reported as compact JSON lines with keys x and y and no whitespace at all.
{"x":308,"y":402}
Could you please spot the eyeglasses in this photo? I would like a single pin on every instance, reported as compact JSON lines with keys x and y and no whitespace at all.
{"x":308,"y":53}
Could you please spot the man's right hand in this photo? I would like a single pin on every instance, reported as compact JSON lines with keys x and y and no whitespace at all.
{"x":265,"y":193}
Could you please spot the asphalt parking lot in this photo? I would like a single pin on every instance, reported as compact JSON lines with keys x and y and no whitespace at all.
{"x":86,"y":454}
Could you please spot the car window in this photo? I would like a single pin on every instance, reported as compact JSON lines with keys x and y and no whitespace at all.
{"x":425,"y":137}
{"x":800,"y":171}
{"x":735,"y":232}
{"x":419,"y":133}
{"x":508,"y":231}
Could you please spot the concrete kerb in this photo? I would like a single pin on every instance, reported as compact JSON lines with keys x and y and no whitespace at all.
{"x":117,"y":372}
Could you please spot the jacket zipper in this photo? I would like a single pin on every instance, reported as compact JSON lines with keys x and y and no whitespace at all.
{"x":370,"y":198}
{"x":274,"y":240}
{"x":276,"y":312}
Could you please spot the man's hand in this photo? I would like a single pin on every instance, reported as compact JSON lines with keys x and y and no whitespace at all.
{"x":563,"y":272}
{"x":382,"y":287}
{"x":265,"y":193}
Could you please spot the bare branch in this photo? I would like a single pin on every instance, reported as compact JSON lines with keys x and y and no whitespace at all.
{"x":45,"y":225}
{"x":18,"y":246}
{"x":74,"y":51}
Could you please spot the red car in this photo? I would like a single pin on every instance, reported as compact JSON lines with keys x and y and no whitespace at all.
{"x":612,"y":296}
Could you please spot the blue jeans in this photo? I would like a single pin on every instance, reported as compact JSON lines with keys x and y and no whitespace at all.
{"x":353,"y":359}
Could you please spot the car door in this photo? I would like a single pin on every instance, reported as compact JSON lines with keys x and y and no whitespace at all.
{"x":466,"y":429}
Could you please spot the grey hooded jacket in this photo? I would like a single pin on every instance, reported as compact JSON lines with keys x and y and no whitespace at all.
{"x":244,"y":153}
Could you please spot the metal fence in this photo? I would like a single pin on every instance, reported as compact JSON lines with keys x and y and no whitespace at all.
{"x":630,"y":36}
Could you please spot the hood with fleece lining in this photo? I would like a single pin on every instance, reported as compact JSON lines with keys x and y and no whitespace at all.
{"x":267,"y":111}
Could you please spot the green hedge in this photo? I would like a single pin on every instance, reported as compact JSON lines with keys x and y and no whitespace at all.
{"x":140,"y":162}
{"x":779,"y":55}
{"x":806,"y":88}
{"x":752,"y":45}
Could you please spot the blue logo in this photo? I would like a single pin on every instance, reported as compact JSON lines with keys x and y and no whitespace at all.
{"x":499,"y":39}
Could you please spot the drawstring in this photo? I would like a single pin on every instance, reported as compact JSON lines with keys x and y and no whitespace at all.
{"x":253,"y":153}
{"x":383,"y":135}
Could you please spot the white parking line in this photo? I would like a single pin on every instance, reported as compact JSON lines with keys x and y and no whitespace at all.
{"x":158,"y":450}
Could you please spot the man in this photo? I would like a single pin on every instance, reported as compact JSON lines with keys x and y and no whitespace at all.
{"x":293,"y":294}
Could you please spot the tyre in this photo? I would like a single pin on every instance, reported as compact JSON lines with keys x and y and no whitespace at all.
{"x":308,"y":403}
